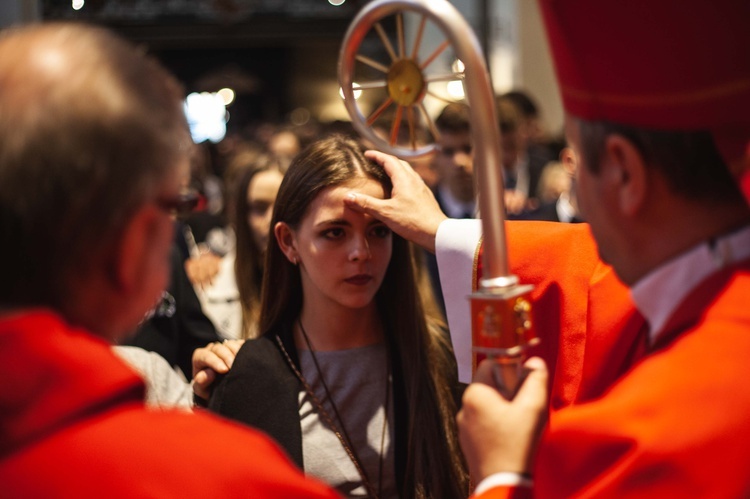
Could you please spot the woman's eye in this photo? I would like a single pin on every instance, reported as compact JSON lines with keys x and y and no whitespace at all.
{"x":334,"y":233}
{"x":259,"y":208}
{"x":381,"y":231}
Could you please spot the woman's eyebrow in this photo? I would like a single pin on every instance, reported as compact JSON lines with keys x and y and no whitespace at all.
{"x":333,"y":221}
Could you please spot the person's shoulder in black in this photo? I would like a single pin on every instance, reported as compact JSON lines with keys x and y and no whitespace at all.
{"x":261,"y":391}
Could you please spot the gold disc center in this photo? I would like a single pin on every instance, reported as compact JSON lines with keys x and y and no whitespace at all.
{"x":405,"y":82}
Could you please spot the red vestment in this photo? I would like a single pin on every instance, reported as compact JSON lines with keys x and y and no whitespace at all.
{"x":578,"y":302}
{"x":73,"y":423}
{"x":673,"y":424}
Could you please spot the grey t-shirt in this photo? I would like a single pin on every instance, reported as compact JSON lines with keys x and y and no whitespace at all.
{"x":357,"y":379}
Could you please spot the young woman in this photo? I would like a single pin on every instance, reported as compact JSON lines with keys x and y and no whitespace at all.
{"x":348,"y":376}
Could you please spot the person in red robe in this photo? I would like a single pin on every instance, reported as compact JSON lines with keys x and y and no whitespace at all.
{"x":642,"y":312}
{"x":94,"y":147}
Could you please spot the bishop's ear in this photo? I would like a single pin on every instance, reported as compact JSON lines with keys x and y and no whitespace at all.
{"x":287,"y":242}
{"x":627,"y":173}
{"x":140,"y":255}
{"x":569,"y":160}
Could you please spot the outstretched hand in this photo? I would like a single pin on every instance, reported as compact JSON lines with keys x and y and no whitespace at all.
{"x":211,"y":360}
{"x":411,"y":212}
{"x":498,"y":435}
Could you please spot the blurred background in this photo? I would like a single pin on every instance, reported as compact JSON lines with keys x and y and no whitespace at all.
{"x":260,"y":80}
{"x":245,"y":62}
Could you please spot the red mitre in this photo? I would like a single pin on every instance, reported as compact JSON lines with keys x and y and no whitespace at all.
{"x":660,"y":64}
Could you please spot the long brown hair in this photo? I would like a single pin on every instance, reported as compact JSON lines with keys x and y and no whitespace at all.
{"x":248,"y":264}
{"x":434,"y":466}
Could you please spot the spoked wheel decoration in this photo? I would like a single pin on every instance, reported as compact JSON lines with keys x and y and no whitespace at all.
{"x":392,"y":112}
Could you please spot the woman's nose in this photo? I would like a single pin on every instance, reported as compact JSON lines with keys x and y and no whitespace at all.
{"x":463,"y":160}
{"x":360,"y":249}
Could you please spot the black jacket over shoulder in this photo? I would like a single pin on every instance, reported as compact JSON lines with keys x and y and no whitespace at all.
{"x":262,"y":391}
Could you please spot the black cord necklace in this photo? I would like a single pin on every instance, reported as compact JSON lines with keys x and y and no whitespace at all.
{"x":341,"y":433}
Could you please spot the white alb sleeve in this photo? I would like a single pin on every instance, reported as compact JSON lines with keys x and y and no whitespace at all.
{"x":455,"y":245}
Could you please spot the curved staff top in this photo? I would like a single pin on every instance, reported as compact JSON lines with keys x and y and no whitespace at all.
{"x":501,"y":324}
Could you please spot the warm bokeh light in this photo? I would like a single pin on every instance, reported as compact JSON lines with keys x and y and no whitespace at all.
{"x":300,"y":116}
{"x":455,"y":89}
{"x":357,"y":93}
{"x":227,"y":95}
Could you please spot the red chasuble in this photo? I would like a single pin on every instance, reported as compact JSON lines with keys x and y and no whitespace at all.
{"x":73,"y":424}
{"x":671,"y":424}
{"x":578,"y":303}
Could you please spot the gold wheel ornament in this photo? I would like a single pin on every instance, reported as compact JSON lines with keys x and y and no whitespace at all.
{"x":403,"y":81}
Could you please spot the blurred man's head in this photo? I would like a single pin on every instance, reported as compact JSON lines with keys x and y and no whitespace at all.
{"x":95,"y":148}
{"x":531,"y":128}
{"x":512,"y":138}
{"x":454,"y":159}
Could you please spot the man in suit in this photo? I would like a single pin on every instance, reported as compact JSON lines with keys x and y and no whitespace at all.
{"x":454,"y":162}
{"x":521,"y":170}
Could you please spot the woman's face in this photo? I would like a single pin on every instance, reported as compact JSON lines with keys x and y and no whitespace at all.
{"x":261,"y":194}
{"x":343,"y":255}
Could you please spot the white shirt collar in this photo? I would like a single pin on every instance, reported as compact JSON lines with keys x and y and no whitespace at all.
{"x":565,"y":210}
{"x":659,"y":293}
{"x":452,"y":206}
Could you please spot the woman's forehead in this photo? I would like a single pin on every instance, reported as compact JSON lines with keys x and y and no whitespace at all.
{"x":330,"y":201}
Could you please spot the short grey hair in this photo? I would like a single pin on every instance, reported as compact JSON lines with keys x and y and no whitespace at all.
{"x":90,"y":126}
{"x":688,"y":160}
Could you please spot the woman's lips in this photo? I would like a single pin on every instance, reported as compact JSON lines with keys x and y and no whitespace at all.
{"x":359,"y":279}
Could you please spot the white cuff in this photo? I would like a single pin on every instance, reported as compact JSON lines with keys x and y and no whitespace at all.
{"x":455,"y":244}
{"x":504,"y":478}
